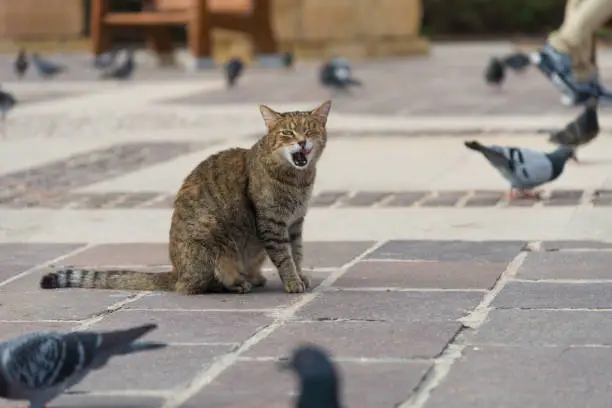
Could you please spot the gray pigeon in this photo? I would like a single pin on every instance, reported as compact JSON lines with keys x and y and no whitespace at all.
{"x":105,"y":60}
{"x":38,"y":367}
{"x":123,"y":71}
{"x":7,"y":102}
{"x":21,"y":63}
{"x":495,"y":72}
{"x":580,"y":131}
{"x":524,"y":168}
{"x":318,"y":377}
{"x":337,"y":74}
{"x":233,"y":71}
{"x":46,"y":69}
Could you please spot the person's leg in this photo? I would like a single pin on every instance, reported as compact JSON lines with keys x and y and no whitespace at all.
{"x":566,"y":57}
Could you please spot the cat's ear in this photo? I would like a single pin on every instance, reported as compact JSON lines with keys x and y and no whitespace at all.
{"x":269,"y":115}
{"x":322,"y":111}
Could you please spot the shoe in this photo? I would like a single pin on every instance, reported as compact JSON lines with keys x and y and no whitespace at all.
{"x":558,"y":68}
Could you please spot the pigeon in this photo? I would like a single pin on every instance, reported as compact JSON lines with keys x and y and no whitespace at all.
{"x":46,"y":69}
{"x":336,"y":74}
{"x":287,"y":59}
{"x":21,"y":63}
{"x":123,"y":71}
{"x":495,"y":72}
{"x":38,"y":367}
{"x":318,"y":377}
{"x":517,"y":61}
{"x":581,"y":130}
{"x":7,"y":102}
{"x":524,"y":168}
{"x":233,"y":71}
{"x":105,"y":60}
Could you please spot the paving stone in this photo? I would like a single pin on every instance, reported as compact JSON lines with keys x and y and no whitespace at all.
{"x":519,"y":377}
{"x":133,"y":200}
{"x":81,"y":401}
{"x":390,"y":306}
{"x":364,"y":199}
{"x":406,"y":198}
{"x":190,"y":326}
{"x":484,"y":198}
{"x":60,"y":304}
{"x":545,"y":327}
{"x":523,"y":202}
{"x":122,"y":254}
{"x":17,"y":258}
{"x":532,"y":295}
{"x":421,"y":274}
{"x":562,"y":245}
{"x":444,"y":199}
{"x":326,"y":198}
{"x":155,"y":370}
{"x":14,"y":329}
{"x":489,"y":251}
{"x":320,"y":254}
{"x":362,"y":385}
{"x":560,"y":202}
{"x":166,"y":202}
{"x":566,"y":265}
{"x":566,"y":194}
{"x":361,"y":339}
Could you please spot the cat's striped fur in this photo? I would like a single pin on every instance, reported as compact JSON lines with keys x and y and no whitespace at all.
{"x":235,"y":207}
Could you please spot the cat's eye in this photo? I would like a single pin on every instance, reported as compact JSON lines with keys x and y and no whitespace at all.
{"x":287,"y":132}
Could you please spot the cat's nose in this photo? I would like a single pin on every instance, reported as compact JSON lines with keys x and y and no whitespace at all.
{"x":302,"y":144}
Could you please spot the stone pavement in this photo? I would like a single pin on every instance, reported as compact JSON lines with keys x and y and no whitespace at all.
{"x":431,"y":290}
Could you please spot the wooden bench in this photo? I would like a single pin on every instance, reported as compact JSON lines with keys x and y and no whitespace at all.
{"x":199,"y":16}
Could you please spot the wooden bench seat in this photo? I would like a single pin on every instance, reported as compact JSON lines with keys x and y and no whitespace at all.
{"x":196,"y":15}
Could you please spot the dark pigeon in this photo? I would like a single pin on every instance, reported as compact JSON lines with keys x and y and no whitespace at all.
{"x":46,"y":69}
{"x":38,"y":367}
{"x":581,"y":130}
{"x":495,"y":72}
{"x":123,"y":71}
{"x":233,"y":71}
{"x":524,"y":168}
{"x":336,"y":74}
{"x":318,"y":378}
{"x":287,"y":59}
{"x":517,"y":61}
{"x":7,"y":102}
{"x":21,"y":63}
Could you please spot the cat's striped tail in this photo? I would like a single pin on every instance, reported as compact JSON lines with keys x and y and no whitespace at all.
{"x":118,"y":279}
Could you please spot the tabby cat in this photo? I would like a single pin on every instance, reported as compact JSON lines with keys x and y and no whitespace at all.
{"x":235,"y":207}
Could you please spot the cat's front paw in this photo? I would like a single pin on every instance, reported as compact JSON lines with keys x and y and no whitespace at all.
{"x":305,"y":280}
{"x":241,"y":287}
{"x":258,"y":281}
{"x":295,"y":286}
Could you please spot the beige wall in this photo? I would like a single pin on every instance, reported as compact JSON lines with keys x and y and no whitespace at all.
{"x":40,"y":19}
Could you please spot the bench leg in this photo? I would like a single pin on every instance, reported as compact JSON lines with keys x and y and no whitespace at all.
{"x":100,"y":34}
{"x":199,"y":35}
{"x":159,"y":40}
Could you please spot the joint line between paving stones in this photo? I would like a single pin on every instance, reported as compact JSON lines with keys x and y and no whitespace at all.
{"x":454,"y":349}
{"x":224,"y":362}
{"x":396,"y":289}
{"x":122,"y":393}
{"x":563,"y":281}
{"x":46,"y":263}
{"x":347,"y":360}
{"x":87,"y":323}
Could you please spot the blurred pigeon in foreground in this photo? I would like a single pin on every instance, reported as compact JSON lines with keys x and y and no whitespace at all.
{"x":517,"y":61}
{"x":337,"y":74}
{"x":288,"y":59}
{"x":7,"y":102}
{"x":318,"y":377}
{"x":233,"y":70}
{"x":21,"y":63}
{"x":105,"y":60}
{"x":580,"y":131}
{"x":38,"y":367}
{"x":524,"y":168}
{"x":123,"y":71}
{"x":46,"y":69}
{"x":495,"y":72}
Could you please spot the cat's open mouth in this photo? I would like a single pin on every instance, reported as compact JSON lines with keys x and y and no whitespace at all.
{"x":300,"y":158}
